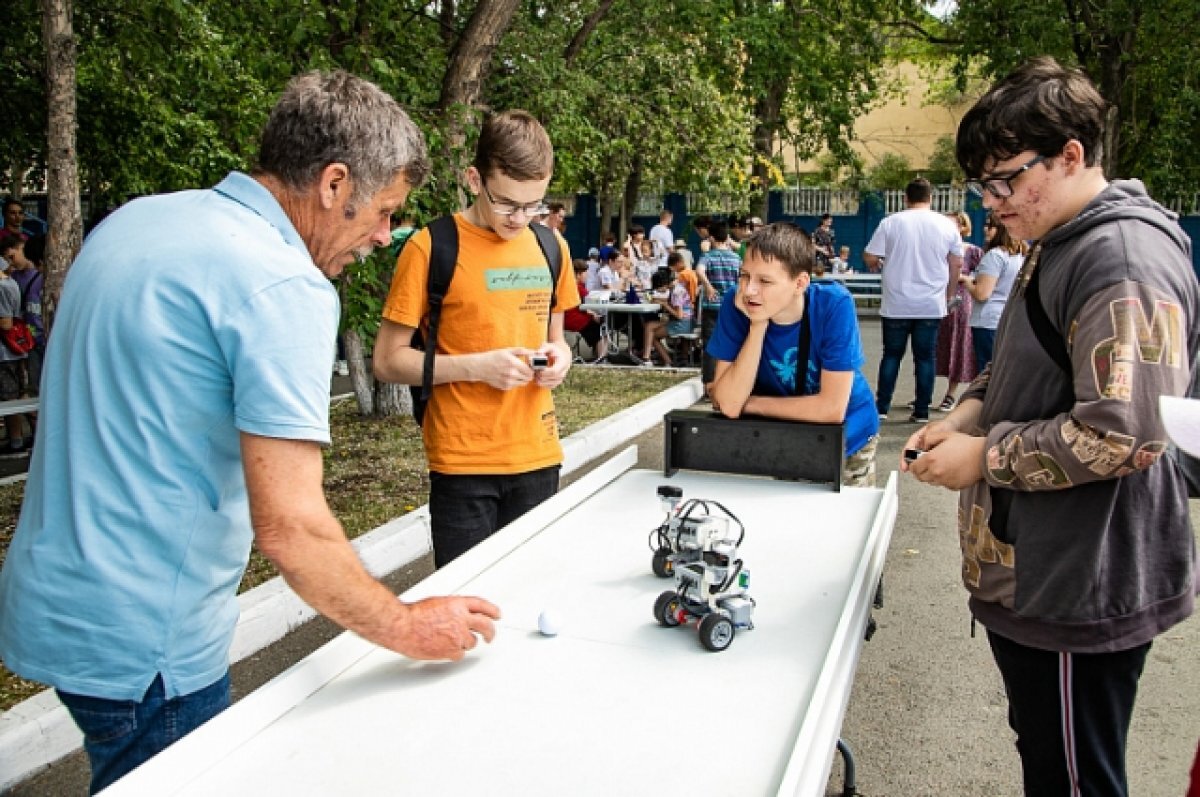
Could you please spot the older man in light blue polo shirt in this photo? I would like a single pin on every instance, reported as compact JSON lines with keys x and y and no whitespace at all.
{"x":185,"y":403}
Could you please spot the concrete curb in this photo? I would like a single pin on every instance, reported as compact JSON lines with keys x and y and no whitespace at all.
{"x":39,"y":731}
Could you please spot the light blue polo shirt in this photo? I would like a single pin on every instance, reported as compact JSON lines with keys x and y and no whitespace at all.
{"x":186,"y":319}
{"x":834,"y":345}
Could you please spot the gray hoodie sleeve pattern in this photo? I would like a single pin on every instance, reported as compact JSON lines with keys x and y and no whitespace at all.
{"x":1128,"y":346}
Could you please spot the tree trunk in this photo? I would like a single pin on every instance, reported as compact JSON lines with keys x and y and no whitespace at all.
{"x":766,"y":112}
{"x":360,"y":377}
{"x":633,"y":184}
{"x":65,"y":218}
{"x":392,"y":400}
{"x":17,"y":183}
{"x":471,"y":57}
{"x":606,"y":212}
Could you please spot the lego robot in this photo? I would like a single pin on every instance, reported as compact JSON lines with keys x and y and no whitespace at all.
{"x":676,"y":541}
{"x":711,"y":583}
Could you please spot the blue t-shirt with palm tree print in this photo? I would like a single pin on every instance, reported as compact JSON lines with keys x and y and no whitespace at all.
{"x":834,"y":345}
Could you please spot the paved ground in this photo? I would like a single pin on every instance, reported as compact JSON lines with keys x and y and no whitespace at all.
{"x":927,"y":714}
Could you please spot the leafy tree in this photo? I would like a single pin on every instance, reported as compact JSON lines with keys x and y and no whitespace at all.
{"x":943,"y":164}
{"x":806,"y":71}
{"x":891,"y":171}
{"x":624,"y":109}
{"x":1140,"y":55}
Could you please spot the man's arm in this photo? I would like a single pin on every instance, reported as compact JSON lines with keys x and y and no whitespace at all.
{"x":294,"y":528}
{"x":709,"y":291}
{"x":395,"y":360}
{"x":872,"y":261}
{"x":954,"y":262}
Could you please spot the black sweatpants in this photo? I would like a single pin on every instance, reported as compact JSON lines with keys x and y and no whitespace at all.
{"x":1071,"y":712}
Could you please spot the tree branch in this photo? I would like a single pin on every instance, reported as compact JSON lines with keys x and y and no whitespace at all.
{"x":910,"y":27}
{"x":585,"y":32}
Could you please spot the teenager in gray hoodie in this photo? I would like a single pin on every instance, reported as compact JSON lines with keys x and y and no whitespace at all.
{"x":1077,"y":547}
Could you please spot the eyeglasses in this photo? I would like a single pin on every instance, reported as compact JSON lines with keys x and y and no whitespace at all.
{"x":509,"y":209}
{"x":1000,"y":186}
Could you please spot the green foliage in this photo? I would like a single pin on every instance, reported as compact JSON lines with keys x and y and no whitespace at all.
{"x":1140,"y":55}
{"x":892,"y":171}
{"x":943,"y":165}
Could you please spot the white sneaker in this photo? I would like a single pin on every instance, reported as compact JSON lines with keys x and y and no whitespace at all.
{"x":341,"y":368}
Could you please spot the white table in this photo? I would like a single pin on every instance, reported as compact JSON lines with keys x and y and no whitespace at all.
{"x":629,"y":311}
{"x":614,"y":705}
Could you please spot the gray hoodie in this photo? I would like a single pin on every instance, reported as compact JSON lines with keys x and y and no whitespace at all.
{"x":1078,"y":539}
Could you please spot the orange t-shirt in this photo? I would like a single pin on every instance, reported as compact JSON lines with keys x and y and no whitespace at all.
{"x":689,"y":278}
{"x":499,"y":297}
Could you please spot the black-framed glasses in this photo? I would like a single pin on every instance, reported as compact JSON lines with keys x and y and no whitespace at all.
{"x":1000,"y":186}
{"x":510,"y":209}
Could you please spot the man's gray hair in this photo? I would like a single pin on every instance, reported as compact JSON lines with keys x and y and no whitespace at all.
{"x":335,"y":117}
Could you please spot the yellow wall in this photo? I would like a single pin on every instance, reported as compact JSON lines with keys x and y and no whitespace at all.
{"x":906,"y":125}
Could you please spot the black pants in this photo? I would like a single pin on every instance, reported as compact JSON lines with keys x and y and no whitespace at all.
{"x":466,"y":510}
{"x":1071,"y":712}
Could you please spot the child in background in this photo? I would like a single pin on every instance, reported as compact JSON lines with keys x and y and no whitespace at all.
{"x":586,"y":324}
{"x":680,"y":313}
{"x":841,"y":263}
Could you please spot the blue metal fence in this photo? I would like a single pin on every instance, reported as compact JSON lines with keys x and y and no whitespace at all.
{"x":852,"y":224}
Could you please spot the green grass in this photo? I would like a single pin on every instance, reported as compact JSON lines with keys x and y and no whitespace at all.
{"x":375,"y":469}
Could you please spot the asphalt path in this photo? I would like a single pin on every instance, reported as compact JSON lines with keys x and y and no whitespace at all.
{"x":927,"y":715}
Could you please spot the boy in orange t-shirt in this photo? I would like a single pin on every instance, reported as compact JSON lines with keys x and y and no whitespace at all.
{"x":491,"y":436}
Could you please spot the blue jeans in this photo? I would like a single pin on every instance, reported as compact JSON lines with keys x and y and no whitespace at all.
{"x":983,"y":340}
{"x":119,"y":735}
{"x":896,"y":332}
{"x":464,"y":510}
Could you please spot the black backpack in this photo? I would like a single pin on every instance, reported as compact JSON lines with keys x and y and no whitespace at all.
{"x":443,"y":254}
{"x":1054,"y":345}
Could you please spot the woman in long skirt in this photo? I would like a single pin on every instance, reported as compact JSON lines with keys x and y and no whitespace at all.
{"x":955,"y":354}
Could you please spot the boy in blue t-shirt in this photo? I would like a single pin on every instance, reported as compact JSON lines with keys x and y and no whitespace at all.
{"x":756,"y":345}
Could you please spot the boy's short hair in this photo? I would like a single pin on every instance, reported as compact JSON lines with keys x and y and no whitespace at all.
{"x":918,"y":191}
{"x":661,"y":278}
{"x":637,"y":229}
{"x":515,"y":144}
{"x":673,"y":258}
{"x":718,"y":231}
{"x":579,"y":265}
{"x":785,"y":242}
{"x":1039,"y":107}
{"x":9,"y":243}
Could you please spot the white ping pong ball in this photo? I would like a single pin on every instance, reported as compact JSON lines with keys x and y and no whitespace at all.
{"x":549,"y":623}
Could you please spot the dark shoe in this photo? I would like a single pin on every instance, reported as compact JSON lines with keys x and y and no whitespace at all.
{"x":947,"y":404}
{"x":914,"y":419}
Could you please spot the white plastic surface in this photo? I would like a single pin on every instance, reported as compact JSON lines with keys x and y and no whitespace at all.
{"x":615,"y":704}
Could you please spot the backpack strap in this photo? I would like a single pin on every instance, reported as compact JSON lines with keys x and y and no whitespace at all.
{"x":548,"y":242}
{"x":1043,"y":328}
{"x":443,"y":252}
{"x":802,"y":349}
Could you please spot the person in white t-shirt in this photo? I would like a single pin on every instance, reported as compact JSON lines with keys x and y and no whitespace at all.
{"x":923,"y":250}
{"x":592,"y":278}
{"x":662,"y":237}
